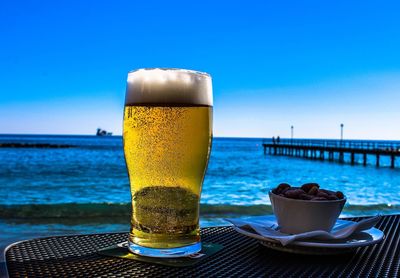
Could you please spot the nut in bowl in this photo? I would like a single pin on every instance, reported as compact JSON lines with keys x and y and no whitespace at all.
{"x":306,"y":208}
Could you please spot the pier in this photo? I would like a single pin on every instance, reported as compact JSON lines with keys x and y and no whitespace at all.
{"x":334,"y":150}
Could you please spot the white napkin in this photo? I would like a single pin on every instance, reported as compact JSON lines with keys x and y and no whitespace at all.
{"x":267,"y":227}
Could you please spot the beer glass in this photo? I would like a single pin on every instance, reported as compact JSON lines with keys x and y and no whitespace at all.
{"x":167,"y":133}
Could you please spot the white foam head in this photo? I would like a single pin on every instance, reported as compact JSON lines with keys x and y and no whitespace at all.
{"x":169,"y":86}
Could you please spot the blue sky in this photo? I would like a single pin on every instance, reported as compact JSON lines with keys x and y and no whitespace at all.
{"x":311,"y":64}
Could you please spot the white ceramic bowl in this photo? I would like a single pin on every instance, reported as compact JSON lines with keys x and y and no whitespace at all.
{"x":300,"y":216}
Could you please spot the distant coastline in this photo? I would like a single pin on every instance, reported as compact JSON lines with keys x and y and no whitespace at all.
{"x":35,"y":145}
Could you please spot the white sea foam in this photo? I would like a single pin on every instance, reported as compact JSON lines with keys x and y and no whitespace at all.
{"x":169,"y":86}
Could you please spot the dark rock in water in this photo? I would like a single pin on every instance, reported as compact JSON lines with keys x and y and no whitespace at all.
{"x":102,"y":132}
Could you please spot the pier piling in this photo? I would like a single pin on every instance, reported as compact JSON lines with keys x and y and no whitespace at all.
{"x":341,"y":157}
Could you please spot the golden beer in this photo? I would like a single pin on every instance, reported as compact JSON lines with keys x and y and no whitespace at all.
{"x":166,"y":146}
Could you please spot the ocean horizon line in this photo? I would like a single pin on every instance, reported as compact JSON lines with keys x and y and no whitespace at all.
{"x":217,"y":137}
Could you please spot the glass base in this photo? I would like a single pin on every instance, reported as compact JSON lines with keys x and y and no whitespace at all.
{"x":164,"y":252}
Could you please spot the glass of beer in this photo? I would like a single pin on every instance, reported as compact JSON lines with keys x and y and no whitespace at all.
{"x":167,"y":136}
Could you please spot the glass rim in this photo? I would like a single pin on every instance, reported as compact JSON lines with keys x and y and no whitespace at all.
{"x":195,"y":72}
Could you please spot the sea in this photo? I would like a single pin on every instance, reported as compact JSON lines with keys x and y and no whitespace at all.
{"x":53,"y":185}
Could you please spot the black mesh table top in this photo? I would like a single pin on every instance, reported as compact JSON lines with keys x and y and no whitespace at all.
{"x":75,"y":256}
